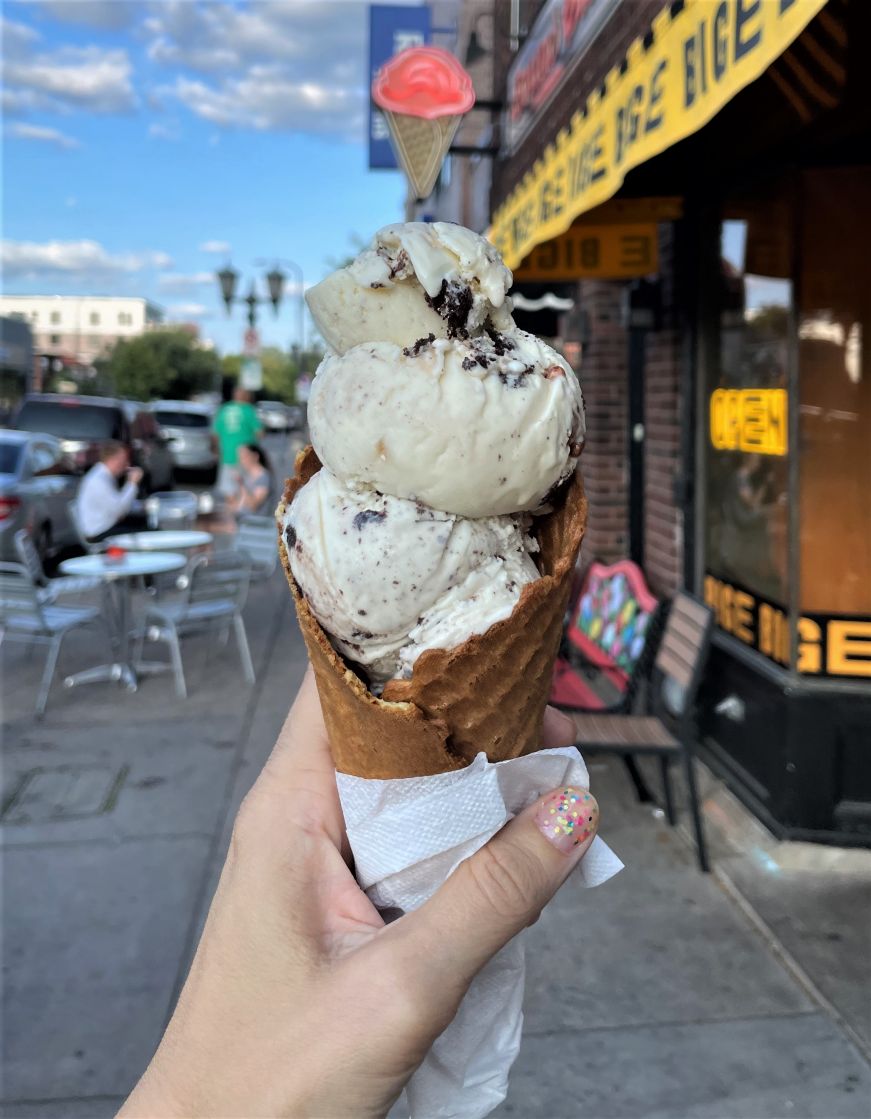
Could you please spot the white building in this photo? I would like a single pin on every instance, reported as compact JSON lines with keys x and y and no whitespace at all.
{"x":81,"y":328}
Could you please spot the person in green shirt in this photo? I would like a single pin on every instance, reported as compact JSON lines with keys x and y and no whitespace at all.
{"x":236,"y":425}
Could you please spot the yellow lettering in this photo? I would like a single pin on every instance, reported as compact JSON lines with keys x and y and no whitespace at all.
{"x":810,"y":655}
{"x":752,"y":420}
{"x":848,"y":647}
{"x":743,"y":617}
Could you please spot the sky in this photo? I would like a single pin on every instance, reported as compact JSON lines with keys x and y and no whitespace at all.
{"x":145,"y":144}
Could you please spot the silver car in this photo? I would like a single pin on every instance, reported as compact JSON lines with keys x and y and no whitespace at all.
{"x":37,"y":484}
{"x":188,"y":430}
{"x":273,"y":415}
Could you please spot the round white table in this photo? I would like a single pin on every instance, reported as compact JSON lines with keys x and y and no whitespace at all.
{"x":161,"y":540}
{"x":117,"y":573}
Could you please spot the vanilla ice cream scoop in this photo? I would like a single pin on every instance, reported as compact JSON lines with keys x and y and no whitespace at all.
{"x":418,"y":278}
{"x":374,"y":568}
{"x":478,"y":427}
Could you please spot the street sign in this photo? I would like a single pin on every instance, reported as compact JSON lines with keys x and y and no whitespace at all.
{"x":251,"y":374}
{"x":252,"y":341}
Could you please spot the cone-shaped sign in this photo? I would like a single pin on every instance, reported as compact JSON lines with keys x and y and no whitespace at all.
{"x":424,"y":93}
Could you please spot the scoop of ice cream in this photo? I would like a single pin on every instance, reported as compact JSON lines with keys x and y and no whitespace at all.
{"x":479,"y":427}
{"x":372,"y":566}
{"x":418,"y":278}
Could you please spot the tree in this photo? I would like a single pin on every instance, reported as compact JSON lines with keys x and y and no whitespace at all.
{"x":280,"y":370}
{"x":162,"y":363}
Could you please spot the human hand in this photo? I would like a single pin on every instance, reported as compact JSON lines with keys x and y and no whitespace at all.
{"x":300,"y":1001}
{"x":134,"y":475}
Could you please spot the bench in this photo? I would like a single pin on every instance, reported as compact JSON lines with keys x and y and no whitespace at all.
{"x":605,"y":639}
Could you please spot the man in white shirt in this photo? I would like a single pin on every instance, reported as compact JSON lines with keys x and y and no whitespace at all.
{"x":101,"y":506}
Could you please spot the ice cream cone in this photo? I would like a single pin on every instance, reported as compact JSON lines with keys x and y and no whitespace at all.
{"x":422,"y":145}
{"x":487,"y":694}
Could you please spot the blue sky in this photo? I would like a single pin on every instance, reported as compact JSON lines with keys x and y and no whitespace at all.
{"x":146,"y":143}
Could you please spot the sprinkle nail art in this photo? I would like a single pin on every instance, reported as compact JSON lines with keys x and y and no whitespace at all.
{"x":567,"y":817}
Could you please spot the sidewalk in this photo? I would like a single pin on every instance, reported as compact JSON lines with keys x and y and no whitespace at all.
{"x":653,"y":996}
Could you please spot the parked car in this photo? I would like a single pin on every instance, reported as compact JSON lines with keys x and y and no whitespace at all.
{"x":37,"y":483}
{"x":273,"y":415}
{"x":83,"y":424}
{"x":295,"y":417}
{"x":188,"y":430}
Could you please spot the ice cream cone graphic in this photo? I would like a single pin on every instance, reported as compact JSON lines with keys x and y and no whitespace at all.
{"x":424,"y":93}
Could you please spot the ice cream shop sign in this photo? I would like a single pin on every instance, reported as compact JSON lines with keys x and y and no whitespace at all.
{"x":563,"y":31}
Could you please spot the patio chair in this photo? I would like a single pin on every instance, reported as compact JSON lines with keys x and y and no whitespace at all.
{"x":172,"y":509}
{"x":214,"y":599}
{"x":258,"y":538}
{"x":25,"y":617}
{"x":667,"y":732}
{"x":49,"y":589}
{"x":88,"y":546}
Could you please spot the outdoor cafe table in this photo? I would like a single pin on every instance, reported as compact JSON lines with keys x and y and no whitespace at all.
{"x":117,"y":574}
{"x":161,"y":540}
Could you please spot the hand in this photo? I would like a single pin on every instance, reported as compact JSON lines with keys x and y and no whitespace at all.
{"x":134,"y":475}
{"x":300,"y":1001}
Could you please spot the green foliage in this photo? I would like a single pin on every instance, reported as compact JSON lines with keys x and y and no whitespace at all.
{"x":280,"y":371}
{"x":162,"y":363}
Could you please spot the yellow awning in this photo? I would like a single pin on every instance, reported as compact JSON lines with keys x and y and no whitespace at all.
{"x":697,"y":61}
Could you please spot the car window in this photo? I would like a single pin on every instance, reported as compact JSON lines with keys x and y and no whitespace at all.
{"x":68,"y":419}
{"x":43,"y":457}
{"x":168,"y":418}
{"x":10,"y":455}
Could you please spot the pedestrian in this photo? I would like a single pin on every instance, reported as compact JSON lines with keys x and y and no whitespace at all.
{"x":255,"y":482}
{"x":300,"y":999}
{"x":104,"y":503}
{"x":235,"y":425}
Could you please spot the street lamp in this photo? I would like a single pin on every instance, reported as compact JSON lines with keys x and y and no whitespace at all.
{"x":275,"y":279}
{"x":228,"y":278}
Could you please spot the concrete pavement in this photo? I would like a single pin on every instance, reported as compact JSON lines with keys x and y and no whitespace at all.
{"x":653,"y":996}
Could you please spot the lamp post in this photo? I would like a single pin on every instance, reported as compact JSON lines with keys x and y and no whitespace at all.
{"x":278,"y":277}
{"x":228,"y":278}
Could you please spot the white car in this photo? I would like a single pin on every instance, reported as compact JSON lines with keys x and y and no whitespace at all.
{"x":187,"y":427}
{"x":273,"y":415}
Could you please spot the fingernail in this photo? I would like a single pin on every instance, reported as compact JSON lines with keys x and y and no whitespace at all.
{"x":567,"y":817}
{"x":567,"y":723}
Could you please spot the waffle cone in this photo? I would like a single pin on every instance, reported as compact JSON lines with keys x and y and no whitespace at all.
{"x":487,"y":694}
{"x":422,"y":146}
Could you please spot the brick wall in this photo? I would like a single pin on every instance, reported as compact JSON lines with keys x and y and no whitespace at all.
{"x":663,"y":521}
{"x":604,"y":466}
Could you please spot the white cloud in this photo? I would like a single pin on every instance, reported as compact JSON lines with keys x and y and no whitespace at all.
{"x":84,"y":259}
{"x":41,"y":134}
{"x":162,"y":131}
{"x":189,"y":311}
{"x":222,"y":247}
{"x":111,"y":15}
{"x":17,"y":36}
{"x":177,"y":281}
{"x":269,"y":65}
{"x":71,"y":77}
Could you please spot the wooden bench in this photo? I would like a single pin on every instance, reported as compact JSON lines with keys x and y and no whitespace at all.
{"x":605,"y":639}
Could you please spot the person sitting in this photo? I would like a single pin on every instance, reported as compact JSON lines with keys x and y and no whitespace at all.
{"x":103,"y":505}
{"x":255,"y":483}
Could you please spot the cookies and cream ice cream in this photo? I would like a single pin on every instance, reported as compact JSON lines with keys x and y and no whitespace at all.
{"x":479,"y":427}
{"x":417,"y":278}
{"x":388,"y":578}
{"x":441,"y":430}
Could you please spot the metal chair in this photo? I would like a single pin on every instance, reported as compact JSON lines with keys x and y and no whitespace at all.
{"x":257,"y":537}
{"x":26,"y":617}
{"x":89,"y":547}
{"x":214,"y":599}
{"x":172,"y":509}
{"x":49,"y":589}
{"x":667,"y":731}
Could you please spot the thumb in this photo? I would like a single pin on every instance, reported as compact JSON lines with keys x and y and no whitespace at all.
{"x":501,"y":889}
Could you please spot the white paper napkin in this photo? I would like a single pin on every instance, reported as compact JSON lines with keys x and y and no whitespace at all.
{"x":408,"y":835}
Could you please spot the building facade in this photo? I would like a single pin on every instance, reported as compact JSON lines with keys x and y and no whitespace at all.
{"x":80,"y":329}
{"x":696,"y":177}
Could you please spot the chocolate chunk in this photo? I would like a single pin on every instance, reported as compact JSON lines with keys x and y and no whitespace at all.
{"x":400,"y":264}
{"x":475,"y":359}
{"x":501,"y":342}
{"x":368,"y":516}
{"x":290,"y":536}
{"x":420,"y":344}
{"x":453,"y":303}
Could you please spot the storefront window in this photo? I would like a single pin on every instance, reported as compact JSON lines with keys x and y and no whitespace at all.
{"x":747,"y":458}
